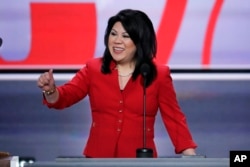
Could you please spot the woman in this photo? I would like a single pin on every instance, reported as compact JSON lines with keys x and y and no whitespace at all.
{"x":114,"y":85}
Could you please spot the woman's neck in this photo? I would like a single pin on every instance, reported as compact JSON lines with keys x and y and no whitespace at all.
{"x":125,"y":69}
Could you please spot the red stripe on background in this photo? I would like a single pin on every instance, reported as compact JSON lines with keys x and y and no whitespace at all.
{"x":168,"y":29}
{"x":206,"y":55}
{"x":62,"y":34}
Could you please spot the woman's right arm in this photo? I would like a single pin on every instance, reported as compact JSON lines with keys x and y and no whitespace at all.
{"x":46,"y":83}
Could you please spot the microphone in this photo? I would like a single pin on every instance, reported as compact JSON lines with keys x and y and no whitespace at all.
{"x":145,"y":69}
{"x":144,"y":152}
{"x":1,"y":41}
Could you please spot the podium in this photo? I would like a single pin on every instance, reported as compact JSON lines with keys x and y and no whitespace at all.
{"x":10,"y":161}
{"x":134,"y":162}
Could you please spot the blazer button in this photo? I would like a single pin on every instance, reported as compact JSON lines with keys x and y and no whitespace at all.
{"x":118,"y":130}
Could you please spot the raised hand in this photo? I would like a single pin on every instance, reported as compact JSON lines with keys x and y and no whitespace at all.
{"x":46,"y":82}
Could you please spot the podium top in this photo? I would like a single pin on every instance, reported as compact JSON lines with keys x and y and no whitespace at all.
{"x":134,"y":162}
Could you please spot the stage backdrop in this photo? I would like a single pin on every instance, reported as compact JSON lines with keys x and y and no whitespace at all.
{"x":66,"y":33}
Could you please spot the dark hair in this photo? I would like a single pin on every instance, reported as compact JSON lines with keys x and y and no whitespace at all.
{"x":140,"y":29}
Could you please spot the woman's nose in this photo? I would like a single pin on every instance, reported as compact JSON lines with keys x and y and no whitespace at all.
{"x":118,"y":39}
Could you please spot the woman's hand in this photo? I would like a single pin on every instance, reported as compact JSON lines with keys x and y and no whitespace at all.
{"x":47,"y":83}
{"x":189,"y":151}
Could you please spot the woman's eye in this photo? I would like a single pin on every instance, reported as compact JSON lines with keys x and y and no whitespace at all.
{"x":126,"y":36}
{"x":113,"y":33}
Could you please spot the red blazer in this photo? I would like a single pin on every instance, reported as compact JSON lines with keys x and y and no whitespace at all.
{"x":117,"y":116}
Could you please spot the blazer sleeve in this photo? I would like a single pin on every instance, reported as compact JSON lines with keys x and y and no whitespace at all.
{"x":172,"y":116}
{"x":72,"y":91}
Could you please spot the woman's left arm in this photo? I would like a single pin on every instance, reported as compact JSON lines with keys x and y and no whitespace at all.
{"x":172,"y":115}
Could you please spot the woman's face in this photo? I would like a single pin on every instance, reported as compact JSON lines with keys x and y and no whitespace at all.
{"x":120,"y":45}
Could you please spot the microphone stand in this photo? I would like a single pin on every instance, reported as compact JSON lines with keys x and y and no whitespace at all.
{"x":144,"y":152}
